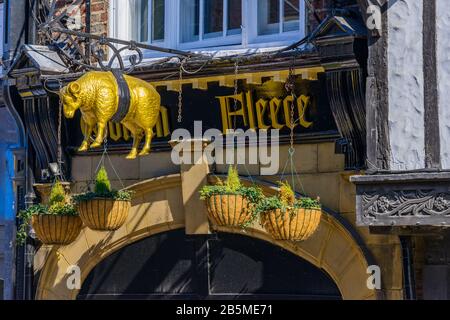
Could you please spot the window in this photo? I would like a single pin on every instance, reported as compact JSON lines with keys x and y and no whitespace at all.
{"x":202,"y":24}
{"x":209,"y":19}
{"x":147,"y":19}
{"x":278,"y":16}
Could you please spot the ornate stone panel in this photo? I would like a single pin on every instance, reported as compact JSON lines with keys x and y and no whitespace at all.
{"x":421,"y":199}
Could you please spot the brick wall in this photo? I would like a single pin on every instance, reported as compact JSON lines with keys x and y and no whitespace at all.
{"x":99,"y":14}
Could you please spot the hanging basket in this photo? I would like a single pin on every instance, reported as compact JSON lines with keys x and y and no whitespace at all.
{"x":294,"y":224}
{"x":54,"y":229}
{"x":229,"y":210}
{"x":104,"y":214}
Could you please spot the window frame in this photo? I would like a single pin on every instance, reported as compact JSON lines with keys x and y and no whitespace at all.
{"x":121,"y":28}
{"x":281,"y":37}
{"x":224,"y":40}
{"x":248,"y":38}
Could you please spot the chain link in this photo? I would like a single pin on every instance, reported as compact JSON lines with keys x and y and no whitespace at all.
{"x":59,"y":155}
{"x":180,"y":93}
{"x":105,"y":139}
{"x":290,"y":87}
{"x":236,"y":70}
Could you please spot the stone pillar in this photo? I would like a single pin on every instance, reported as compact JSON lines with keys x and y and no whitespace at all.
{"x":194,"y":172}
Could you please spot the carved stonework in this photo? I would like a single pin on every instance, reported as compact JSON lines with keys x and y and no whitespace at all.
{"x":403,"y":199}
{"x":406,"y":203}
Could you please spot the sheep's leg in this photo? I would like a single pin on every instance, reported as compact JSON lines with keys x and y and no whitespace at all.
{"x":87,"y":135}
{"x":136,"y":132}
{"x":100,"y":135}
{"x":148,"y":141}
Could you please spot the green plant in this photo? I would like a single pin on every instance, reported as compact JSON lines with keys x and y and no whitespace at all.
{"x":102,"y":184}
{"x":232,"y":186}
{"x":25,"y":217}
{"x":57,"y":194}
{"x":62,"y":209}
{"x":57,"y":205}
{"x":286,"y":194}
{"x":286,"y":200}
{"x":102,"y":189}
{"x":232,"y":183}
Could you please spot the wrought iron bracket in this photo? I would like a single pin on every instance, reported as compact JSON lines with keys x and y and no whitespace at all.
{"x":96,"y":49}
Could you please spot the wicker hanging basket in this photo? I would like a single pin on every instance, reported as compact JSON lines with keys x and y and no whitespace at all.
{"x":104,"y":214}
{"x":54,"y":229}
{"x":229,"y":210}
{"x":293,"y":224}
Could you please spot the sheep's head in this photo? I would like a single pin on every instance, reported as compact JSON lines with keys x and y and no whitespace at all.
{"x":71,"y":98}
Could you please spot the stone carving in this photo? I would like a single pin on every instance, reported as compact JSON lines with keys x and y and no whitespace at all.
{"x":406,"y":203}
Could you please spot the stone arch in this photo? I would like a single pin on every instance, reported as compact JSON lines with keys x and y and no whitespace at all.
{"x":158,"y":207}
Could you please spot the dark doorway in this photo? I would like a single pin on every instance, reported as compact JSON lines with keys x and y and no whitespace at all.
{"x":172,"y":265}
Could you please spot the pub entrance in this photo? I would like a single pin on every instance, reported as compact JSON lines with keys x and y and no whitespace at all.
{"x":172,"y":265}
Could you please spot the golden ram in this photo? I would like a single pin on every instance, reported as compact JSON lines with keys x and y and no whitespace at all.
{"x":96,"y":94}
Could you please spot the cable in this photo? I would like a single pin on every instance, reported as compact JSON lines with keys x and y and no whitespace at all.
{"x":196,"y":71}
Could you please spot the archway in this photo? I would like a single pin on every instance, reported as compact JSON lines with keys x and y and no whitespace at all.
{"x":157,"y":208}
{"x":171,"y":265}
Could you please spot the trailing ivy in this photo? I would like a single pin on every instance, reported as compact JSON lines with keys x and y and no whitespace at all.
{"x":58,"y":204}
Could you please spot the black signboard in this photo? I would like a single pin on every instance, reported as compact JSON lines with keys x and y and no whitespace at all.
{"x":256,"y":106}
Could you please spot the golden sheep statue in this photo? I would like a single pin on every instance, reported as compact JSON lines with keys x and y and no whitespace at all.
{"x":110,"y":96}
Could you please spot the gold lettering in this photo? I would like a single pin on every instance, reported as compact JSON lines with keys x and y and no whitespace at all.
{"x":251,"y":115}
{"x":223,"y":113}
{"x":254,"y":114}
{"x":126,"y":133}
{"x":228,"y":112}
{"x":302,"y":104}
{"x":236,"y":113}
{"x":162,"y":126}
{"x":165,"y":121}
{"x":261,"y":106}
{"x":115,"y":130}
{"x":275,"y":105}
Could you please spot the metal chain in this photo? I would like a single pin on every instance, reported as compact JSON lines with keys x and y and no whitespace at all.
{"x":236,"y":70}
{"x":59,"y":142}
{"x":59,"y":155}
{"x":105,"y":139}
{"x":290,"y":87}
{"x":180,"y":93}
